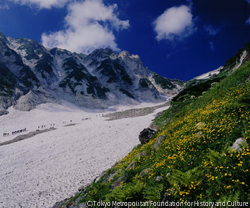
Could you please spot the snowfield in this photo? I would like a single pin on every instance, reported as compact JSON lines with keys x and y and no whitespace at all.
{"x":51,"y":166}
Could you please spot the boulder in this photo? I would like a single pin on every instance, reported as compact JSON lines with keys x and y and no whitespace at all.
{"x":142,"y":154}
{"x":158,"y":178}
{"x":158,"y":142}
{"x":199,"y":125}
{"x":146,"y":135}
{"x":131,"y":165}
{"x":238,"y":144}
{"x":144,"y":172}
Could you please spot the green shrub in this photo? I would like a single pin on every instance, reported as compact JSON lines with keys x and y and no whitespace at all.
{"x":163,"y":82}
{"x":131,"y":192}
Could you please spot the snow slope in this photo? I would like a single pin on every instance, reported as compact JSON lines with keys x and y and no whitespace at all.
{"x":209,"y":74}
{"x":49,"y":167}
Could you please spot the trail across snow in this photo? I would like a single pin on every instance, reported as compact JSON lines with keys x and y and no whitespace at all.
{"x":49,"y":167}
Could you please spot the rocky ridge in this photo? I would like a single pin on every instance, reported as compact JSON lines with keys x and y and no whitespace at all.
{"x":32,"y":74}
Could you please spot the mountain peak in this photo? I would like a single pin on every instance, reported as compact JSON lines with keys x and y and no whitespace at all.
{"x":98,"y":80}
{"x":125,"y":54}
{"x":100,"y":53}
{"x":108,"y":51}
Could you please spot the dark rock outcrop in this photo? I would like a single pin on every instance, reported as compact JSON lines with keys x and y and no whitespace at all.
{"x":3,"y":112}
{"x":146,"y":135}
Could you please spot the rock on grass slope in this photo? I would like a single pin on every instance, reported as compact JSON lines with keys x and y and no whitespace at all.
{"x":193,"y":155}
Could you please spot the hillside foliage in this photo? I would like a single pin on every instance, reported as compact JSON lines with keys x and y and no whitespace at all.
{"x":195,"y":160}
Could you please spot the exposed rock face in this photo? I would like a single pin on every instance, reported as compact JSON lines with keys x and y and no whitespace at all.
{"x":199,"y":125}
{"x":97,"y":80}
{"x":111,"y":175}
{"x":142,"y":154}
{"x":117,"y":183}
{"x":146,"y":135}
{"x":32,"y":99}
{"x":158,"y":142}
{"x":131,"y":165}
{"x":3,"y":112}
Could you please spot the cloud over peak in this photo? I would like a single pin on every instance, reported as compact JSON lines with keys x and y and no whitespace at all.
{"x":175,"y":22}
{"x":89,"y":25}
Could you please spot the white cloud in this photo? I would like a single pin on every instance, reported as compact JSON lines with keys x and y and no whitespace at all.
{"x":43,"y":4}
{"x":175,"y":22}
{"x":89,"y":25}
{"x":5,"y":6}
{"x":211,"y":30}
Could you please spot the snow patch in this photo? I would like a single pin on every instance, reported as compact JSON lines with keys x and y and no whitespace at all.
{"x":209,"y":74}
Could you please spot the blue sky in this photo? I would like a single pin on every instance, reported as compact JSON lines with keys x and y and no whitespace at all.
{"x":175,"y":38}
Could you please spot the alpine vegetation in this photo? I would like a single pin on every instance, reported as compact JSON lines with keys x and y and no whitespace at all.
{"x":199,"y":155}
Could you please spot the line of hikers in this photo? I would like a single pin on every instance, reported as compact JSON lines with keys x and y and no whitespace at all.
{"x":39,"y":127}
{"x":19,"y":131}
{"x":14,"y":132}
{"x":43,"y":126}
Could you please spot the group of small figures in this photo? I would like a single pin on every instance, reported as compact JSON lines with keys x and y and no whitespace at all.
{"x":84,"y":119}
{"x":64,"y":122}
{"x":43,"y":126}
{"x":14,"y":132}
{"x":39,"y":127}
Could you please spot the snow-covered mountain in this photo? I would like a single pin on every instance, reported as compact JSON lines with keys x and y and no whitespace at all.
{"x":31,"y":74}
